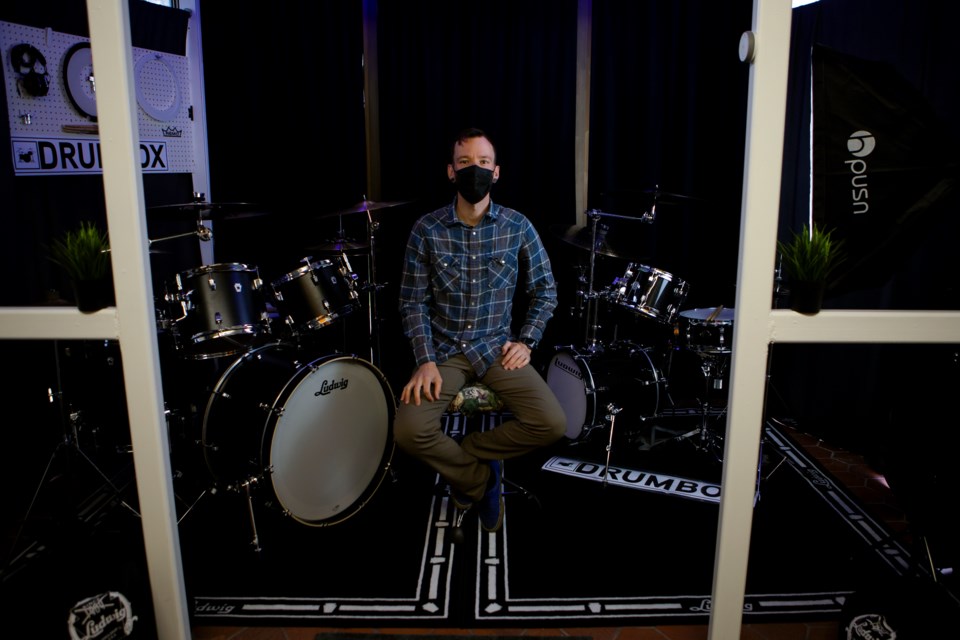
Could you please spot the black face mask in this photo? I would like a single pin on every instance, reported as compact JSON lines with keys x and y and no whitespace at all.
{"x":474,"y":183}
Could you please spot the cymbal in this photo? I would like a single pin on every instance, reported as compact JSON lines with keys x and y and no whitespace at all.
{"x":581,"y":237}
{"x":667,"y":197}
{"x":659,"y":196}
{"x":363,"y":206}
{"x":343,"y":245}
{"x":211,"y":210}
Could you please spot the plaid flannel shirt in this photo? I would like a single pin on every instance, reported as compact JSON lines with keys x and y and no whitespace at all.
{"x":456,"y":294}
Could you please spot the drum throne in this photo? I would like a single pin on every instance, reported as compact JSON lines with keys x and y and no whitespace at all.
{"x":476,"y":406}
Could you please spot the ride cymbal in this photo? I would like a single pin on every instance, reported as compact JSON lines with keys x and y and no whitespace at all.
{"x":363,"y":206}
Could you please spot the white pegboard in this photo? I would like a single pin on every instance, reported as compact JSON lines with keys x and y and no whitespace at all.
{"x":163,"y":98}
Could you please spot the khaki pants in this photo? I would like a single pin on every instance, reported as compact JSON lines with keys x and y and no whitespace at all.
{"x":538,"y":421}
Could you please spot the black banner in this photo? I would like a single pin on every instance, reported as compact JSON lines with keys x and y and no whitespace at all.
{"x":882,"y":163}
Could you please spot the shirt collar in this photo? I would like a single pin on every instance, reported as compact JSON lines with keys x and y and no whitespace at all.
{"x":451,"y":217}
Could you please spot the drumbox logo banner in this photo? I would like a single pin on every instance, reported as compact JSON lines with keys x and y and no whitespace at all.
{"x":635,"y":479}
{"x":64,"y":155}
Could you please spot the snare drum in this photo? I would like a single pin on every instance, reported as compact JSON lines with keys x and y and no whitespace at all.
{"x":707,"y":330}
{"x":315,"y":295}
{"x":585,"y":384}
{"x":650,"y":292}
{"x":217,"y":310}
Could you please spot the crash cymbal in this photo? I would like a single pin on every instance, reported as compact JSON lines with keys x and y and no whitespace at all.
{"x":582,"y":238}
{"x":211,"y":210}
{"x":667,"y":197}
{"x":363,"y":206}
{"x":659,"y":196}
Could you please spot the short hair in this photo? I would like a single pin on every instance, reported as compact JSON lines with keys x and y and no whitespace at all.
{"x":468,"y":134}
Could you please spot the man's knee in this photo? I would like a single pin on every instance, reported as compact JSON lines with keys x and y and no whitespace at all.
{"x":555,"y":421}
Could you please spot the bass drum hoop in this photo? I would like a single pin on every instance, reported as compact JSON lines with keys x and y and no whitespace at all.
{"x":275,"y":408}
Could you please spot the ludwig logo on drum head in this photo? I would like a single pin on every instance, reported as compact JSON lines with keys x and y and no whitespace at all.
{"x":560,"y":364}
{"x":331,"y":385}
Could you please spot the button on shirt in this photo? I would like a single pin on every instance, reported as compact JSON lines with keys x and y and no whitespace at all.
{"x":456,"y":294}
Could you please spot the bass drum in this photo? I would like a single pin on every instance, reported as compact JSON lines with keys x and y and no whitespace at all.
{"x":318,"y":433}
{"x":585,"y":384}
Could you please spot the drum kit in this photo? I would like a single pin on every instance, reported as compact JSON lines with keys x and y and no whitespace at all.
{"x":629,"y":381}
{"x":274,"y":415}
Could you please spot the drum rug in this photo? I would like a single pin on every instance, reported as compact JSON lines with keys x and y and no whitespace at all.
{"x":578,"y":547}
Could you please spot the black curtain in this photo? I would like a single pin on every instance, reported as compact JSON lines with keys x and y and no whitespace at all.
{"x":668,"y":111}
{"x":284,"y":92}
{"x":506,"y":67}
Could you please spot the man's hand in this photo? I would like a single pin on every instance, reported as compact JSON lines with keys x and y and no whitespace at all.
{"x":426,"y":379}
{"x":515,"y":355}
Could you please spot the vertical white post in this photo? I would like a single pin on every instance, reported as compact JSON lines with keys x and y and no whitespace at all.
{"x":110,"y":42}
{"x":758,"y":231}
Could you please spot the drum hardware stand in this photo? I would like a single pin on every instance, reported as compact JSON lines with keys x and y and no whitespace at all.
{"x":255,"y":541}
{"x":70,"y":442}
{"x":611,"y":417}
{"x":202,"y":232}
{"x":373,"y":317}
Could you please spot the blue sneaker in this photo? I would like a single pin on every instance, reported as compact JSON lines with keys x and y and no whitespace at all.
{"x":490,"y":507}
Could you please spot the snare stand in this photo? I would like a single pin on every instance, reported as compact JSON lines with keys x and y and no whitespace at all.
{"x":708,"y":440}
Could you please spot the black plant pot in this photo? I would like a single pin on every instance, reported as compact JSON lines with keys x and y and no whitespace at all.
{"x":806,"y":296}
{"x":93,"y":295}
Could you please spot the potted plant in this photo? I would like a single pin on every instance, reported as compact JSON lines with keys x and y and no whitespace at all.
{"x":809,"y":259}
{"x":84,"y":253}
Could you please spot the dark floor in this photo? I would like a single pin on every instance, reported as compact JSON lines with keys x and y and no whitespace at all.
{"x":851,"y":469}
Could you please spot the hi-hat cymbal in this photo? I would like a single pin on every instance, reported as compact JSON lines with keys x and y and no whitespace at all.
{"x":363,"y":206}
{"x":342,"y":245}
{"x":582,"y":238}
{"x":211,"y":210}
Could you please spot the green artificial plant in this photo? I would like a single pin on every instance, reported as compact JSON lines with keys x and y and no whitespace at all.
{"x":83,"y":253}
{"x":812,"y":255}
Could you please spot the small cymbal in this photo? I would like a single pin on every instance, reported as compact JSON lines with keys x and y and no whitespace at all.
{"x":211,"y":210}
{"x":363,"y":206}
{"x":581,"y":237}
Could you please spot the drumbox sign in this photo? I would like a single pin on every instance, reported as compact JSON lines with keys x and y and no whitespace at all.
{"x":66,"y":155}
{"x":635,"y":479}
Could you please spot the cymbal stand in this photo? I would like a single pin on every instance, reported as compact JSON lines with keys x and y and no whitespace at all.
{"x":590,"y":339}
{"x":373,"y":318}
